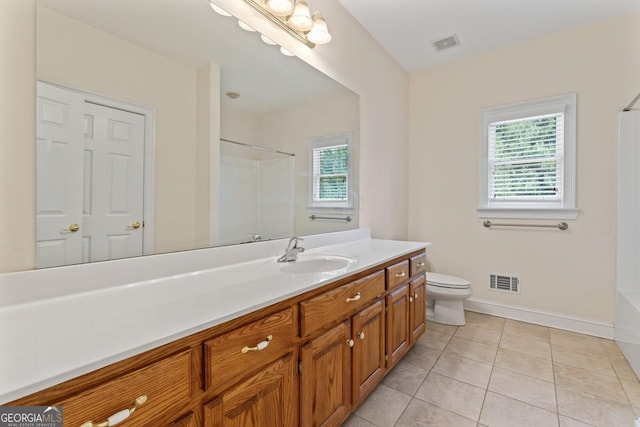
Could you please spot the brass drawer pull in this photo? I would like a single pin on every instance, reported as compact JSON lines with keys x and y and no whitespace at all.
{"x":354,"y":298}
{"x":118,"y":417}
{"x":361,"y":335}
{"x":420,"y":264}
{"x":350,"y":342}
{"x":401,"y":274}
{"x":260,"y":346}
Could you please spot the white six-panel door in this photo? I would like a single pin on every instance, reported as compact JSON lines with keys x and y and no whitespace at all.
{"x":90,"y":179}
{"x":113,"y":189}
{"x":60,"y":176}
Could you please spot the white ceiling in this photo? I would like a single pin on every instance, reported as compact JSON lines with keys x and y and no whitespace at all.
{"x":407,"y":28}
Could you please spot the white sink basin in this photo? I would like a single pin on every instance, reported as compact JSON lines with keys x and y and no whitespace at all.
{"x":318,"y":263}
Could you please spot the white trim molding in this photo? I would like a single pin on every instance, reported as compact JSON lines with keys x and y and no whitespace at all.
{"x":539,"y":317}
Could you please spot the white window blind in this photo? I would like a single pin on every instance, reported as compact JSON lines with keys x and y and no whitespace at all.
{"x":526,"y":158}
{"x":331,"y":173}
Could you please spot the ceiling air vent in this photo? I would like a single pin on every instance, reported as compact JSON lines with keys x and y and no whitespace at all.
{"x":498,"y":282}
{"x":446,"y":42}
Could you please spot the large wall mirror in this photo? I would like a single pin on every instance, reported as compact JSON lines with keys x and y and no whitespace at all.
{"x":163,"y":126}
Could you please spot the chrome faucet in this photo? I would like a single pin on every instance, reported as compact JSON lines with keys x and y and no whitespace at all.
{"x":292,"y":251}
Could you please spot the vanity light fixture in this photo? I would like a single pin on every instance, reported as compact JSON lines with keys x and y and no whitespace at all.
{"x":296,"y":19}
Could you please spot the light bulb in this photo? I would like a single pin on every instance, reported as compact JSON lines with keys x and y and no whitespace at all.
{"x":280,"y":7}
{"x":245,"y":26}
{"x":219,"y":10}
{"x":267,"y":40}
{"x":319,"y":33}
{"x":285,"y":52}
{"x":301,"y":18}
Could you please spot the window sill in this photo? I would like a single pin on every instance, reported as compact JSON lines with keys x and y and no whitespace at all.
{"x":515,"y":213}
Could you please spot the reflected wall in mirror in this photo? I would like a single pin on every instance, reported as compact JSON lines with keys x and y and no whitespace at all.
{"x":140,"y":167}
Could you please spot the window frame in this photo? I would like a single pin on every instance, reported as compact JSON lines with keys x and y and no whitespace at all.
{"x":325,"y":142}
{"x":531,"y":209}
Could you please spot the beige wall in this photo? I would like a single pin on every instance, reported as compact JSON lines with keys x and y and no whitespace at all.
{"x":325,"y":116}
{"x":17,"y":135}
{"x":570,"y":272}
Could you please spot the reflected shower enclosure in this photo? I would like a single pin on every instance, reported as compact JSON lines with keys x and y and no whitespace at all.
{"x":256,"y":193}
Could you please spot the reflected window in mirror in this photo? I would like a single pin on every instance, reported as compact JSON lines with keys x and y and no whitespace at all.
{"x":332,"y":171}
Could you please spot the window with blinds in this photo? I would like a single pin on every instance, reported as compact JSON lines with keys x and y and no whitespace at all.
{"x":525,"y":158}
{"x":330,"y":171}
{"x":527,"y":162}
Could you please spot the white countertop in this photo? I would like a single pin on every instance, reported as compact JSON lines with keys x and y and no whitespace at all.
{"x":47,"y":337}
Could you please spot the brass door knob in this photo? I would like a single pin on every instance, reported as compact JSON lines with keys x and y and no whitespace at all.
{"x":72,"y":228}
{"x":134,"y":225}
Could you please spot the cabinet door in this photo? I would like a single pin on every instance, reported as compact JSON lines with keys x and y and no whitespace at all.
{"x":397,"y":324}
{"x":265,"y":399}
{"x":418,"y":315}
{"x":325,"y":378}
{"x":368,"y":350}
{"x":189,"y":420}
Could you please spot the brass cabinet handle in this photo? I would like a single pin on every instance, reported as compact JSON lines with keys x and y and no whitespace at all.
{"x":350,"y":342}
{"x":72,"y":228}
{"x":361,"y":335}
{"x":401,"y":274}
{"x":356,"y":297}
{"x":260,"y":346}
{"x":134,"y":225}
{"x":411,"y":298}
{"x":421,"y":264}
{"x":120,"y":416}
{"x":415,"y":295}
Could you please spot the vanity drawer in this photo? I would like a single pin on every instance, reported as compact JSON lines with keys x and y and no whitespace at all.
{"x":165,"y":383}
{"x":229,"y":357}
{"x":397,"y":274}
{"x":418,"y":264}
{"x":336,"y":303}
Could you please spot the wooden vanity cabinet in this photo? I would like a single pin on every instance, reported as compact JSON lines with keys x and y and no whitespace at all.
{"x":417,"y":308}
{"x":368,"y":364}
{"x":307,"y":361}
{"x":325,"y":378}
{"x":266,"y":398}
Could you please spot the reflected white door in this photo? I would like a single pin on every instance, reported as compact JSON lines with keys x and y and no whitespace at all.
{"x":113,"y":183}
{"x":59,"y":149}
{"x":90,"y":161}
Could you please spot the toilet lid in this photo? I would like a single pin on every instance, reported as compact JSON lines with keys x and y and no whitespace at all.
{"x":438,"y":279}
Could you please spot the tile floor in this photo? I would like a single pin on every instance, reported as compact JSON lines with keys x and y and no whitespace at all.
{"x":500,"y":372}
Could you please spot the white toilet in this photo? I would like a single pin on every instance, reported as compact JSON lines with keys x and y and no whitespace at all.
{"x":445,"y":295}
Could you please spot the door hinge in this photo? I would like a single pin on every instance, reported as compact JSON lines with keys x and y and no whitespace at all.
{"x":386,"y":357}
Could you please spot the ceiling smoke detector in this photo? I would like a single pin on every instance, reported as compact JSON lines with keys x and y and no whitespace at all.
{"x":446,"y":42}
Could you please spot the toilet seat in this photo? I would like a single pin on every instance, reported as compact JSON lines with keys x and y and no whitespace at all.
{"x":446,"y":281}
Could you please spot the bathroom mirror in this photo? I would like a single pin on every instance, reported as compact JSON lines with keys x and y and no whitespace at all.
{"x":225,"y":121}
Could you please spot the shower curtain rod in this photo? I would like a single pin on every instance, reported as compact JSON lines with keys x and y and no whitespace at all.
{"x":257,"y":147}
{"x":628,"y":107}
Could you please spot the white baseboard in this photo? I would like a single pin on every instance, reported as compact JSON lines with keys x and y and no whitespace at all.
{"x":553,"y":320}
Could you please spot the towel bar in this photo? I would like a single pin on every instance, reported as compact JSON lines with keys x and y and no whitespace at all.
{"x":561,"y":226}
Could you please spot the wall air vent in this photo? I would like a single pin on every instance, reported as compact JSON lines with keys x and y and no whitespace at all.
{"x":502,"y":283}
